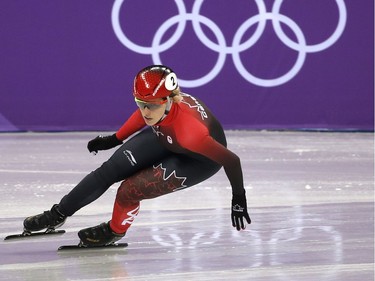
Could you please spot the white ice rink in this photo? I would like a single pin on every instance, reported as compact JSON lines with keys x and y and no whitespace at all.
{"x":310,"y":197}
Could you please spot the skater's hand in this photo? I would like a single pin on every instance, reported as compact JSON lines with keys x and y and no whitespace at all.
{"x":239,"y":211}
{"x":103,"y":143}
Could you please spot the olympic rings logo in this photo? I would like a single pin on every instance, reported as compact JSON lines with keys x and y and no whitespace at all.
{"x":237,"y":47}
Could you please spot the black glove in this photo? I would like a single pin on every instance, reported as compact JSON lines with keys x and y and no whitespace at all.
{"x":239,"y":211}
{"x":103,"y":143}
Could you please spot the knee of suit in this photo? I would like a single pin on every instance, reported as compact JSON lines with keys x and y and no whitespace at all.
{"x":126,"y":195}
{"x":107,"y":174}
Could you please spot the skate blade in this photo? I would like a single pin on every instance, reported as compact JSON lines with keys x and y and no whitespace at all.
{"x":29,"y":234}
{"x":82,"y":246}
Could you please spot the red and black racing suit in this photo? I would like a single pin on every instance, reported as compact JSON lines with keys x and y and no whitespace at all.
{"x":185,"y":148}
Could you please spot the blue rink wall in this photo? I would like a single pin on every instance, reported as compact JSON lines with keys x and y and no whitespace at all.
{"x":69,"y":65}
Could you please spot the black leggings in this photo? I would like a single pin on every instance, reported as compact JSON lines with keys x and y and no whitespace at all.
{"x":150,"y":168}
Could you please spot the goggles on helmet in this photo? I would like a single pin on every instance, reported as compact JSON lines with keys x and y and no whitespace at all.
{"x":151,"y":105}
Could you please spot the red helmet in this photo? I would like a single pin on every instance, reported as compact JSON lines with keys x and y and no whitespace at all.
{"x":155,"y":81}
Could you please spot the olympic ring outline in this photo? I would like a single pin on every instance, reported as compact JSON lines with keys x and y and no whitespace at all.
{"x":237,"y":47}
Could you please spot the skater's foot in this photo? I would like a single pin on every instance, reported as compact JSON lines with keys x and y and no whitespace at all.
{"x":48,"y":219}
{"x":99,"y":235}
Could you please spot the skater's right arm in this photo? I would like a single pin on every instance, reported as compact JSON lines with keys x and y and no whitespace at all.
{"x":132,"y":125}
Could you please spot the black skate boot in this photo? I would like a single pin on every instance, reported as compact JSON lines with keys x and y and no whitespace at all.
{"x":49,"y":219}
{"x":100,"y":235}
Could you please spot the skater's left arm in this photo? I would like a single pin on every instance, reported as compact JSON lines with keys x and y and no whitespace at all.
{"x":207,"y":146}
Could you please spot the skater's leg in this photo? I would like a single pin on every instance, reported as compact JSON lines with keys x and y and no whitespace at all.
{"x":140,"y":151}
{"x":174,"y":173}
{"x":123,"y":215}
{"x":137,"y":153}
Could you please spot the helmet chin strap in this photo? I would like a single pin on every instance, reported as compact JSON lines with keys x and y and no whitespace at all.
{"x":167,"y":109}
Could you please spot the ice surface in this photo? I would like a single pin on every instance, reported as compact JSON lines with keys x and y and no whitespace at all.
{"x":310,"y":197}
